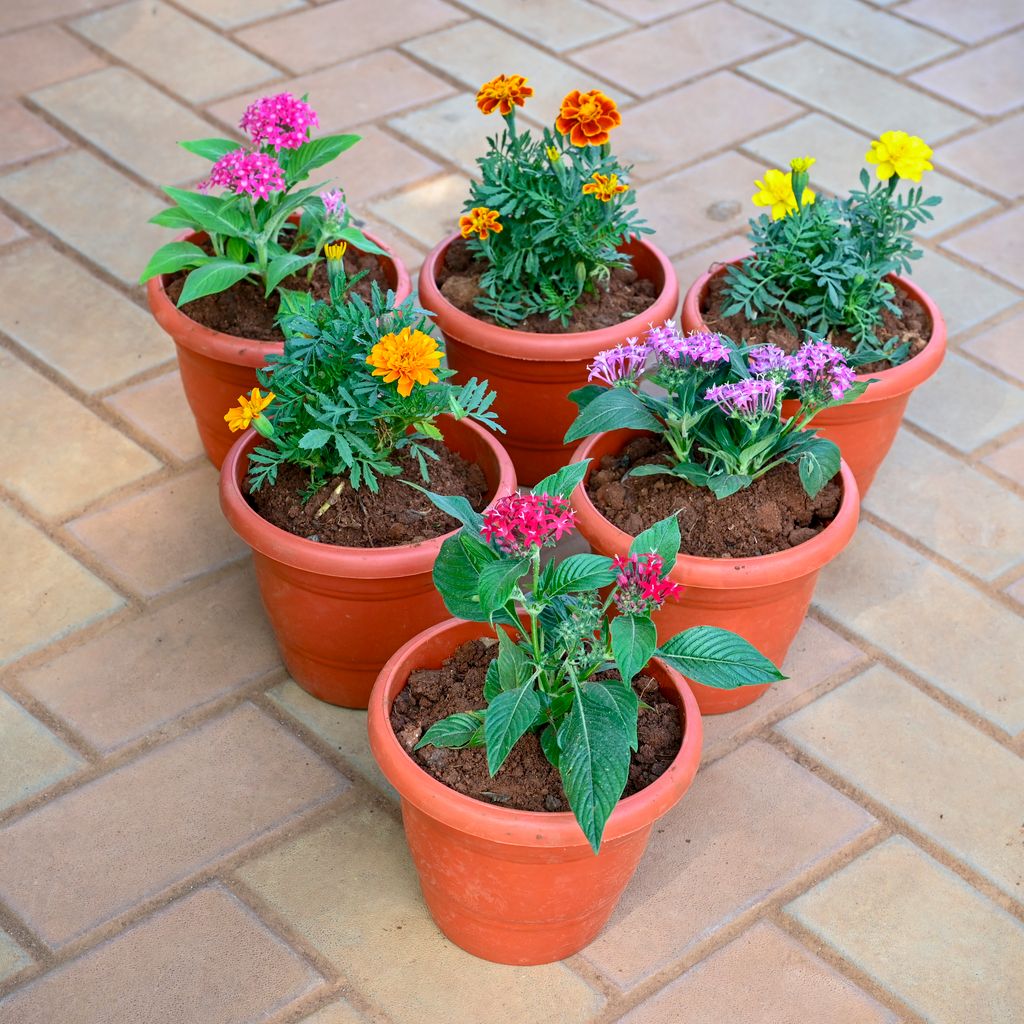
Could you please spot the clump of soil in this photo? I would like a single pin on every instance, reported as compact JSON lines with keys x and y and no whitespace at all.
{"x":626,"y":296}
{"x":527,"y":781}
{"x":913,"y":327}
{"x":773,"y":514}
{"x":397,"y":514}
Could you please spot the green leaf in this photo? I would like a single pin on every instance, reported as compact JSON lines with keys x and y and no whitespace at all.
{"x":513,"y":663}
{"x":578,"y":573}
{"x":286,"y":265}
{"x":361,"y":242}
{"x":719,"y":658}
{"x":453,"y":731}
{"x":585,"y":395}
{"x":722,"y":485}
{"x":616,"y":408}
{"x":563,"y":481}
{"x":216,"y":276}
{"x":457,"y":580}
{"x":209,"y":212}
{"x":318,"y":152}
{"x":173,"y":217}
{"x":549,"y":744}
{"x":509,"y":715}
{"x":628,"y":704}
{"x":662,"y":539}
{"x":211,"y":149}
{"x":818,"y":463}
{"x":315,"y":438}
{"x":455,"y":506}
{"x":633,"y":642}
{"x":498,"y":582}
{"x":171,"y":257}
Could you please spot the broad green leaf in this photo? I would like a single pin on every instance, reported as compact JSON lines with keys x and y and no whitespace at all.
{"x":173,"y":217}
{"x":318,"y":152}
{"x":238,"y":250}
{"x":457,"y":580}
{"x":315,"y":438}
{"x":662,"y":539}
{"x":211,"y":149}
{"x":717,"y":657}
{"x":628,"y":704}
{"x":563,"y":481}
{"x":360,"y":241}
{"x":616,"y":408}
{"x":171,"y":257}
{"x":722,"y":485}
{"x":688,"y":471}
{"x":286,"y":265}
{"x":455,"y":506}
{"x":549,"y":744}
{"x":818,"y":464}
{"x":578,"y":573}
{"x":491,"y":685}
{"x":585,"y":395}
{"x":514,"y":667}
{"x":216,"y":276}
{"x":498,"y":582}
{"x":210,"y":212}
{"x":509,"y":715}
{"x":633,"y":642}
{"x":453,"y":731}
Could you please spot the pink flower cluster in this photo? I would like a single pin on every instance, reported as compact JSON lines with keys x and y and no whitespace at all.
{"x":767,"y":359}
{"x":820,"y":366}
{"x":624,"y":362}
{"x":523,"y":521}
{"x":245,"y":173}
{"x":700,"y":348}
{"x":279,"y":121}
{"x":641,"y":590}
{"x":748,"y":398}
{"x":334,"y":203}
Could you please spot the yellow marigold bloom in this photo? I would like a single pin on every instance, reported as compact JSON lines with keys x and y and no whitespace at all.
{"x":901,"y":154}
{"x":588,"y":117}
{"x":553,"y":155}
{"x":480,"y":221}
{"x":776,"y":191}
{"x":335,"y":250}
{"x":248,"y":409}
{"x":503,"y":93}
{"x":410,"y":357}
{"x":802,"y":163}
{"x":604,"y":187}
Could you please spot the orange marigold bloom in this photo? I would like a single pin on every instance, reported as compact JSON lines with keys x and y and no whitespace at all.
{"x":409,"y":357}
{"x":502,"y":93}
{"x":604,"y":187}
{"x":588,"y":117}
{"x":480,"y":221}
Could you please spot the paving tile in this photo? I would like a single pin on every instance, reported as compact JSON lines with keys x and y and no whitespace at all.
{"x":452,"y":128}
{"x":1009,"y":460}
{"x":33,"y":758}
{"x":333,"y":32}
{"x":342,"y":728}
{"x":763,"y":968}
{"x":560,"y":26}
{"x":204,"y":959}
{"x":699,"y":261}
{"x":175,"y":50}
{"x":350,"y":890}
{"x":426,"y":212}
{"x":921,"y":932}
{"x":114,"y":108}
{"x":710,"y":37}
{"x":649,"y":10}
{"x":991,"y":156}
{"x":9,"y":231}
{"x":159,"y":409}
{"x":965,"y":406}
{"x":919,"y":613}
{"x":170,"y":661}
{"x":91,"y":334}
{"x":951,"y":508}
{"x":90,"y":460}
{"x":1016,"y":591}
{"x":995,"y":244}
{"x":711,"y":198}
{"x":988,"y":79}
{"x":336,"y":1013}
{"x":103,"y":847}
{"x":232,"y":13}
{"x":957,"y":19}
{"x":165,"y":536}
{"x":873,"y":728}
{"x":752,"y":823}
{"x":39,"y":56}
{"x":16,"y":15}
{"x":12,"y":957}
{"x":90,"y":207}
{"x":840,"y":151}
{"x":853,"y":93}
{"x":25,"y":135}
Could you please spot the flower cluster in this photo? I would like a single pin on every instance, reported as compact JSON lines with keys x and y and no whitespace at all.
{"x":409,"y":357}
{"x":701,"y":348}
{"x":281,"y":122}
{"x":245,"y":173}
{"x":750,"y":399}
{"x":334,"y":203}
{"x":522,"y":521}
{"x":819,"y":366}
{"x":622,"y":363}
{"x":641,"y":589}
{"x":768,"y":359}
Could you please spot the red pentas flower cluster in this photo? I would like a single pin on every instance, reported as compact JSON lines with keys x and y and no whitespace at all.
{"x":245,"y":173}
{"x":522,"y":521}
{"x":280,"y":121}
{"x":641,"y":589}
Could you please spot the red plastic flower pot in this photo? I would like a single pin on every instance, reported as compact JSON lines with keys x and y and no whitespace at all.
{"x":216,"y":368}
{"x":865,"y":428}
{"x":764,"y":599}
{"x":339,"y":613}
{"x":534,"y":373}
{"x":518,"y":887}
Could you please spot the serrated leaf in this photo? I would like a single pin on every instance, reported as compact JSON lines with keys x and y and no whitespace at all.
{"x":628,"y":704}
{"x":492,"y":687}
{"x":662,"y":539}
{"x":719,"y":658}
{"x":614,"y":409}
{"x":549,"y":744}
{"x":578,"y":573}
{"x":216,"y":276}
{"x":509,"y":716}
{"x":563,"y":481}
{"x":498,"y":582}
{"x":457,"y":579}
{"x":634,"y":639}
{"x":454,"y":731}
{"x":171,"y":257}
{"x":513,"y":663}
{"x":315,"y":438}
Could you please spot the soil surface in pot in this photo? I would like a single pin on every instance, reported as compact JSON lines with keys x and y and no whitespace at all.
{"x":527,"y":781}
{"x":773,"y":514}
{"x":913,"y":327}
{"x":627,"y":296}
{"x":397,"y":514}
{"x":242,"y":310}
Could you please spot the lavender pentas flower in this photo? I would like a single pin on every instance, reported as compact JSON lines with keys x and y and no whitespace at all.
{"x":620,"y":365}
{"x":748,"y":399}
{"x":768,"y":359}
{"x":822,"y":372}
{"x":702,"y":348}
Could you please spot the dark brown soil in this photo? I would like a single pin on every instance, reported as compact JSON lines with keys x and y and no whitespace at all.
{"x":914,"y":327}
{"x":627,"y":296}
{"x":526,"y":781}
{"x":396,"y":514}
{"x":243,"y":312}
{"x":773,"y":514}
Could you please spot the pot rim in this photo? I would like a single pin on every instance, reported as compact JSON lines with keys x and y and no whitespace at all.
{"x":730,"y":573}
{"x":502,"y":825}
{"x":897,"y":380}
{"x":334,"y":559}
{"x":532,"y":346}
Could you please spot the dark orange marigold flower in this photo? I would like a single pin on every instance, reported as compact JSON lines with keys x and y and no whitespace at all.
{"x":604,"y":186}
{"x":588,"y":117}
{"x":480,"y":222}
{"x":502,"y":93}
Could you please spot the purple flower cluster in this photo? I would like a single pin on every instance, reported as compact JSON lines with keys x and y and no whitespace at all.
{"x":279,"y":121}
{"x":820,"y":366}
{"x":748,"y":398}
{"x":334,"y":203}
{"x":245,"y":173}
{"x":768,"y":358}
{"x":701,"y":347}
{"x":622,"y":363}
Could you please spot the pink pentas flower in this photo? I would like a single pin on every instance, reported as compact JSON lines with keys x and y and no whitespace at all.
{"x":748,"y":398}
{"x":522,"y":521}
{"x":334,"y":203}
{"x":767,"y":359}
{"x":622,"y":363}
{"x":819,"y":366}
{"x":702,"y":348}
{"x":641,"y":590}
{"x":245,"y":173}
{"x":281,"y":121}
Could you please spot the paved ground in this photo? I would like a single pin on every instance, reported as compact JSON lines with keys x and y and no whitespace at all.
{"x":186,"y":837}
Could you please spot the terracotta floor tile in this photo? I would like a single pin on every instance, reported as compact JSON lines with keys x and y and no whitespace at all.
{"x":428,"y":211}
{"x":159,"y":409}
{"x":992,"y":156}
{"x":995,"y":244}
{"x":12,"y":957}
{"x":155,"y":821}
{"x":25,"y":135}
{"x":40,"y":56}
{"x":1009,"y":460}
{"x":560,"y":26}
{"x":971,"y":23}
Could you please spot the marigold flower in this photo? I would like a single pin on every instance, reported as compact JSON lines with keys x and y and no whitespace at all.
{"x":821,"y":367}
{"x":410,"y":357}
{"x":245,"y":173}
{"x":334,"y":203}
{"x":503,"y":93}
{"x":604,"y":186}
{"x":776,"y":191}
{"x":519,"y":522}
{"x":906,"y":156}
{"x":802,"y":164}
{"x":250,"y":410}
{"x":641,"y":590}
{"x":480,"y":221}
{"x":335,"y":250}
{"x":588,"y":117}
{"x":280,"y":121}
{"x":621,"y":363}
{"x":748,"y":399}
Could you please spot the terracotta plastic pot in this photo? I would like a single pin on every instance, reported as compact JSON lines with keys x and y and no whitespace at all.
{"x":339,"y":613}
{"x":216,"y":368}
{"x":534,"y":373}
{"x":865,"y":428}
{"x":764,"y":599}
{"x":517,"y":887}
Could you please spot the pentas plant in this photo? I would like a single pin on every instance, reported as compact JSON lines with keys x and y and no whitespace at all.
{"x":549,"y":213}
{"x":245,"y":203}
{"x":820,"y":264}
{"x":721,"y":415}
{"x":562,"y":625}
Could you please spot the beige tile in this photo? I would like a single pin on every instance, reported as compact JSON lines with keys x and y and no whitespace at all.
{"x":560,"y":26}
{"x":995,"y":244}
{"x":991,"y":156}
{"x":752,"y":823}
{"x":18,"y":15}
{"x":12,"y":957}
{"x":1009,"y":460}
{"x":453,"y":129}
{"x":175,"y":50}
{"x":988,"y":79}
{"x":204,"y":958}
{"x":158,"y":408}
{"x":922,"y":932}
{"x":336,"y":1013}
{"x":155,"y":821}
{"x":968,"y":22}
{"x":91,"y":334}
{"x":58,"y":455}
{"x":170,"y":533}
{"x":39,"y":56}
{"x":700,"y":261}
{"x":764,"y":968}
{"x":649,"y":10}
{"x":232,"y":13}
{"x":426,"y":212}
{"x":350,"y":890}
{"x":25,"y":135}
{"x":9,"y":231}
